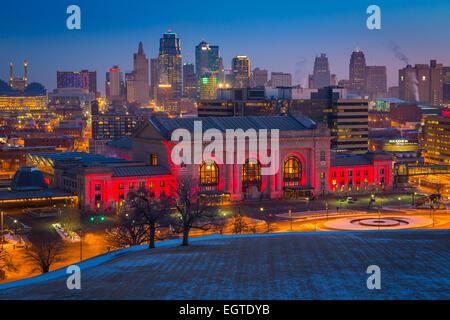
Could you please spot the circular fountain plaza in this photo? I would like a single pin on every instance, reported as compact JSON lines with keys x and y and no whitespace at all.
{"x":375,"y":223}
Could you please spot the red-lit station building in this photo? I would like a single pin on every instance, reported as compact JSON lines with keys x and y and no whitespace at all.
{"x":306,"y":166}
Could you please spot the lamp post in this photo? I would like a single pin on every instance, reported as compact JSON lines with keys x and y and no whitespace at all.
{"x":15,"y":227}
{"x":290,"y":215}
{"x":80,"y":233}
{"x":2,"y":227}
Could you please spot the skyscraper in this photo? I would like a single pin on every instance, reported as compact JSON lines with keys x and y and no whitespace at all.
{"x":446,"y":84}
{"x":321,"y":73}
{"x":154,"y":77}
{"x":357,"y":72}
{"x":113,"y":83}
{"x":259,"y":77}
{"x":137,"y":84}
{"x":170,"y":65}
{"x":189,"y":81}
{"x":240,"y":70}
{"x":376,"y":81}
{"x":208,"y":65}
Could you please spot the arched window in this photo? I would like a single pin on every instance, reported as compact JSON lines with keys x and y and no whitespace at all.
{"x":251,"y":173}
{"x":292,"y":171}
{"x":208,"y":174}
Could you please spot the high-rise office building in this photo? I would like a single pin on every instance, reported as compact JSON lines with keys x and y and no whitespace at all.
{"x":259,"y":78}
{"x":189,"y":81}
{"x":357,"y":72}
{"x":170,"y":65}
{"x":113,"y":83}
{"x":346,"y":117}
{"x":376,"y":81}
{"x":138,"y":89}
{"x":435,"y":142}
{"x":208,"y":65}
{"x":154,"y":77}
{"x":78,"y":80}
{"x":422,"y":83}
{"x":349,"y":124}
{"x":221,"y":71}
{"x":240,"y":70}
{"x":321,"y":74}
{"x":280,"y":79}
{"x":446,"y":84}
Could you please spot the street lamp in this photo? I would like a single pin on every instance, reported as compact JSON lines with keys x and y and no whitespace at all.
{"x":1,"y":211}
{"x":15,"y":227}
{"x":80,"y":234}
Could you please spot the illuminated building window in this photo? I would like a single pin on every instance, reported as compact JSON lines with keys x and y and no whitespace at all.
{"x":357,"y":173}
{"x":131,"y":185}
{"x":251,"y":174}
{"x":121,"y":196}
{"x":366,"y":172}
{"x":152,"y":184}
{"x":120,"y":186}
{"x":208,"y":174}
{"x":381,"y":171}
{"x":322,"y":175}
{"x":334,"y":175}
{"x":154,"y":159}
{"x":98,"y":198}
{"x":141,"y":185}
{"x":98,"y":187}
{"x":292,"y":171}
{"x":350,"y":173}
{"x":162,"y":184}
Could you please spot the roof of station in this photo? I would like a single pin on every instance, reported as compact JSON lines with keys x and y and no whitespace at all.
{"x":283,"y":123}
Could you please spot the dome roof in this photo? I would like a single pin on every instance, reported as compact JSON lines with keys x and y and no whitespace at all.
{"x":28,"y":179}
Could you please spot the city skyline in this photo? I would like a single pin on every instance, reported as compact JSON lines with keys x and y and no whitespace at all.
{"x":113,"y":43}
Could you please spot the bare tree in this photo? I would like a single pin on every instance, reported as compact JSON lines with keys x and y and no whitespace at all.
{"x":239,"y":224}
{"x":438,"y":187}
{"x":150,"y":211}
{"x":194,"y":211}
{"x":6,"y":263}
{"x":131,"y":230}
{"x":70,"y":219}
{"x":269,"y":219}
{"x":44,"y":253}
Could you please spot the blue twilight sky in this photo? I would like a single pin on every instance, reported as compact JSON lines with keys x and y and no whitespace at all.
{"x":277,"y":35}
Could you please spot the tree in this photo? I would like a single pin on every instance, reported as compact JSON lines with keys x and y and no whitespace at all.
{"x":44,"y":253}
{"x":131,"y":230}
{"x":194,"y":211}
{"x":269,"y":219}
{"x":6,"y":263}
{"x":239,"y":224}
{"x":70,"y":220}
{"x":150,"y":211}
{"x":439,"y":187}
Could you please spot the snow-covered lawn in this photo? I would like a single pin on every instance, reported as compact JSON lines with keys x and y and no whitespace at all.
{"x":316,"y":265}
